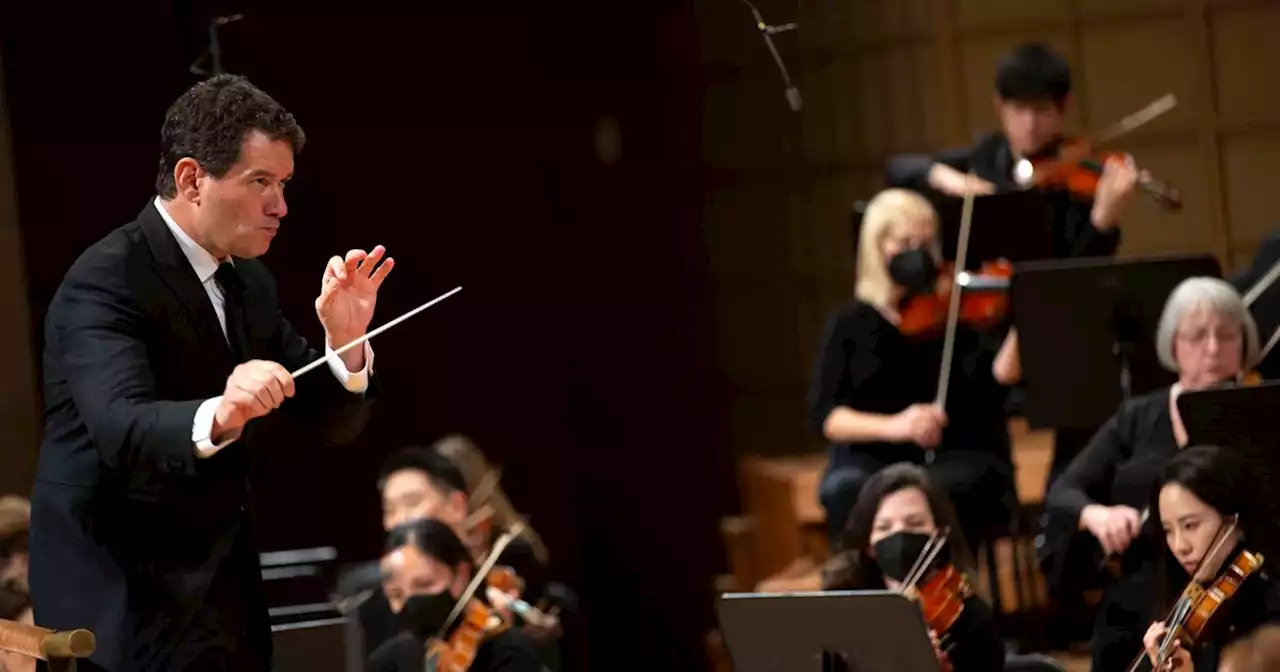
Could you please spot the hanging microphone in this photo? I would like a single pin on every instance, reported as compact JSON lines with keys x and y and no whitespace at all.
{"x":767,"y":32}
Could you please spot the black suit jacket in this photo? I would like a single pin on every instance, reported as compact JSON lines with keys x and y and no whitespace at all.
{"x":132,"y":536}
{"x":1266,"y":308}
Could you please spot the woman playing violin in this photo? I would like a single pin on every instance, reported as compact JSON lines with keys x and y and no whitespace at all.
{"x":425,"y":572}
{"x":896,"y":513}
{"x":1201,"y":493}
{"x":872,"y":391}
{"x":1206,"y":336}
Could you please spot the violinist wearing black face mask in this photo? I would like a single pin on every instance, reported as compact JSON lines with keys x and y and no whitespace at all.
{"x":897,"y":512}
{"x":425,"y":574}
{"x":873,"y":387}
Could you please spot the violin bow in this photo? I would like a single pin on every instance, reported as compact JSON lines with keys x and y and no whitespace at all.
{"x":953,"y":310}
{"x":1140,"y":118}
{"x":1253,"y":294}
{"x":1179,"y":613}
{"x":479,"y":578}
{"x":926,"y":557}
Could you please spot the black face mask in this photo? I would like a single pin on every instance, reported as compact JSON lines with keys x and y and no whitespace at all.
{"x":424,"y":615}
{"x":914,"y":270}
{"x":896,"y":553}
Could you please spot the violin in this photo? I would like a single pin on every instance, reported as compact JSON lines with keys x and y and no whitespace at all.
{"x":984,"y":300}
{"x":479,"y":621}
{"x":1194,"y":611}
{"x":1076,"y":166}
{"x":456,"y":653}
{"x":941,"y":598}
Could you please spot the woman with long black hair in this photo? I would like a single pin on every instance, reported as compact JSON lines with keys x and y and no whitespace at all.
{"x":1213,"y":510}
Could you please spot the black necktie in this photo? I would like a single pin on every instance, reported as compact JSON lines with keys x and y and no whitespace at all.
{"x":233,"y":307}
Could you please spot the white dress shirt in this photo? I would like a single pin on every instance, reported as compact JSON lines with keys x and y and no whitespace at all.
{"x":205,"y":265}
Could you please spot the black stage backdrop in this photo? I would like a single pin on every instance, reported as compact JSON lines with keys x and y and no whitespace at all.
{"x":463,"y":138}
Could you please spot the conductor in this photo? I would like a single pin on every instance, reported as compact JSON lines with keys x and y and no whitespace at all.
{"x":162,"y":346}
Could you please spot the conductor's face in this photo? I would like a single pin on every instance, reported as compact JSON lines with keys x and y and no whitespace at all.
{"x":239,"y":213}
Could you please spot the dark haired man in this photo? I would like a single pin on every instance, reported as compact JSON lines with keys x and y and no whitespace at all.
{"x":424,"y":573}
{"x":163,"y":343}
{"x":421,"y":483}
{"x":1032,"y":91}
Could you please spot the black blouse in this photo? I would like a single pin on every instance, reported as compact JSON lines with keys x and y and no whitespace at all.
{"x":973,"y":643}
{"x":1119,"y":468}
{"x":868,"y":365}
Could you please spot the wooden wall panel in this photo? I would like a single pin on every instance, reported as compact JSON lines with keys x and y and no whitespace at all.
{"x":973,"y":13}
{"x":1127,"y":65}
{"x":1243,"y":70}
{"x":1148,"y":229}
{"x":1251,"y":163}
{"x":1109,"y":8}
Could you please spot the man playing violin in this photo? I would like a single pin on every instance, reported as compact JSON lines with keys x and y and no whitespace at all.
{"x":425,"y":573}
{"x":1032,"y":91}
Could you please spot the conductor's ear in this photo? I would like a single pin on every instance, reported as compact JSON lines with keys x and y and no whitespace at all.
{"x":187,"y":176}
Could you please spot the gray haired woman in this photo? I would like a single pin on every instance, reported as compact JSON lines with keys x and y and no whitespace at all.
{"x":1206,"y":336}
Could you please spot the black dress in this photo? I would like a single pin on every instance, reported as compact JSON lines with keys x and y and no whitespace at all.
{"x":868,"y":365}
{"x":508,"y":651}
{"x":1117,"y":468}
{"x":1071,"y":231}
{"x":973,"y":643}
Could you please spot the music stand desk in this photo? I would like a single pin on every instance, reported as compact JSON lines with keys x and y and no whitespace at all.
{"x":1014,"y":226}
{"x":1086,"y":332}
{"x":833,"y":631}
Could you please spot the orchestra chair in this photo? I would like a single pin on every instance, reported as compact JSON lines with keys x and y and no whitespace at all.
{"x":59,"y":649}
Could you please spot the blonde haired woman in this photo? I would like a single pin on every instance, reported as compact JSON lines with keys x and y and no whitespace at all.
{"x":872,"y":392}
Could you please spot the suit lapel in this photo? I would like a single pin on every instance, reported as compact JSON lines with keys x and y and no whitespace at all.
{"x":173,"y":268}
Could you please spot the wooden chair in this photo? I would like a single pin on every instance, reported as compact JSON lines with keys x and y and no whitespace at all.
{"x":59,"y":649}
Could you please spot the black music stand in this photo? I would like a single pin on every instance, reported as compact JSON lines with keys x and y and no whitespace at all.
{"x":1014,"y":226}
{"x":320,"y":641}
{"x":1240,"y":419}
{"x":854,"y":631}
{"x":1086,"y":332}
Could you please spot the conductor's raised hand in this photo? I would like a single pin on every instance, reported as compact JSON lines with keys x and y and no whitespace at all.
{"x":349,"y":292}
{"x":253,"y":390}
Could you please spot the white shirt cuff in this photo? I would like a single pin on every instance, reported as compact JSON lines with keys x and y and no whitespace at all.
{"x":356,"y":383}
{"x":202,"y":428}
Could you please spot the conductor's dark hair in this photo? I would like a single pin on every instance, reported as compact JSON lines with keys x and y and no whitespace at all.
{"x":440,"y":470}
{"x":1033,"y":73}
{"x":1221,"y":479}
{"x":852,"y":568}
{"x":210,"y":121}
{"x":434,"y":538}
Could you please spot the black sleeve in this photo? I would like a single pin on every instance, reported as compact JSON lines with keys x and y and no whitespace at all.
{"x":1076,"y":236}
{"x":509,"y":651}
{"x":520,"y":556}
{"x":831,"y":384}
{"x":911,"y":171}
{"x":974,"y":645}
{"x":1090,"y":471}
{"x":1268,"y":254}
{"x":99,"y":329}
{"x":401,"y":653}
